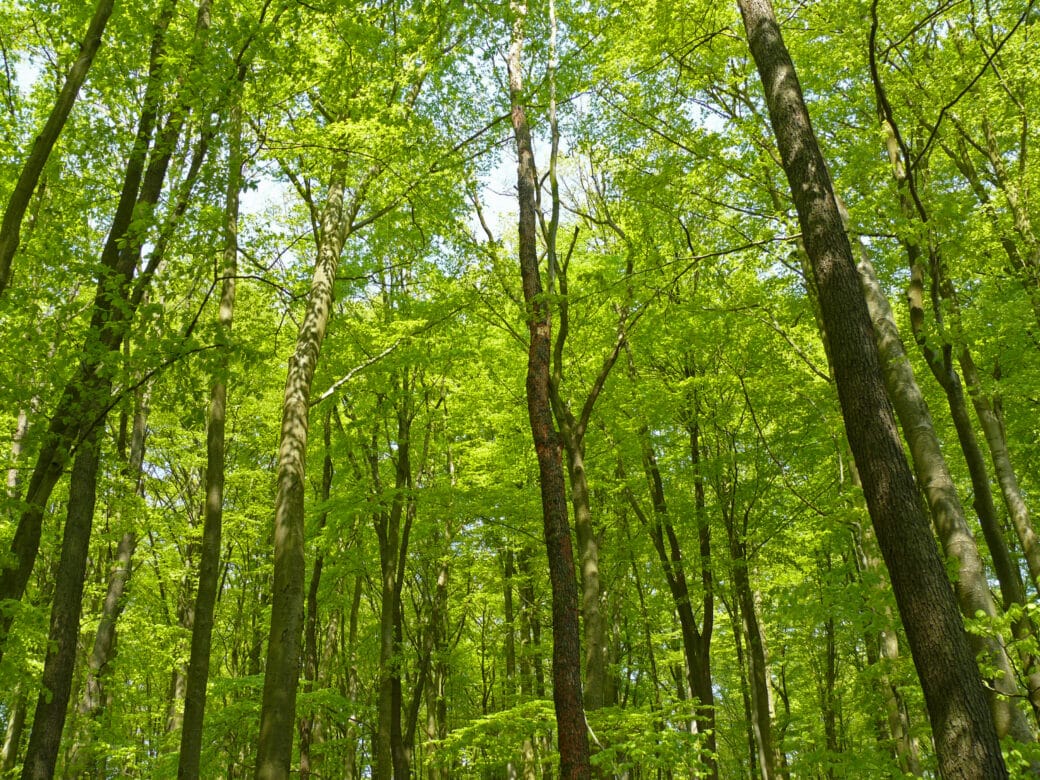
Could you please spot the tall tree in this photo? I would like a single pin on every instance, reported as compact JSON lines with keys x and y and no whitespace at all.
{"x":966,"y":738}
{"x":282,"y":670}
{"x":572,"y":733}
{"x":209,"y":563}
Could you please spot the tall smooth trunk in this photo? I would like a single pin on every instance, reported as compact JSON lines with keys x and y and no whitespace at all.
{"x":282,"y":670}
{"x":209,"y":555}
{"x":965,"y":735}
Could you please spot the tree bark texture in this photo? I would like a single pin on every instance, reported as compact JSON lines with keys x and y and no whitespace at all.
{"x":41,"y":756}
{"x":10,"y":228}
{"x":281,"y":678}
{"x":951,"y":526}
{"x":572,"y":732}
{"x":965,"y":735}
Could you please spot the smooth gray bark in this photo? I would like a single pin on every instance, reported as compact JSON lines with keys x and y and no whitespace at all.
{"x":282,"y":670}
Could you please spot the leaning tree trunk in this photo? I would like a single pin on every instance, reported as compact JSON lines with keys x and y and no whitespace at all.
{"x":83,"y":396}
{"x":10,"y":229}
{"x":965,"y":735}
{"x":281,"y":678}
{"x":951,"y":526}
{"x":696,"y":645}
{"x":572,"y":733}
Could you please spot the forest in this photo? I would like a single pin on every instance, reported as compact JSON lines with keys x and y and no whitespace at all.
{"x":530,"y":389}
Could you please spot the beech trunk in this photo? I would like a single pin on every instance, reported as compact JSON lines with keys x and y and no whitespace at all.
{"x":965,"y":736}
{"x":282,"y":670}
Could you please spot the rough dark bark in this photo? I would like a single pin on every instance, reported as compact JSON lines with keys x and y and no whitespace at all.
{"x":965,"y":736}
{"x":281,"y":678}
{"x":572,"y":732}
{"x":10,"y":228}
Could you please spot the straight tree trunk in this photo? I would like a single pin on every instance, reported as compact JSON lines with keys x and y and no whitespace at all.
{"x":310,"y":725}
{"x":209,"y":555}
{"x":965,"y":735}
{"x":572,"y":732}
{"x":509,"y":615}
{"x":350,"y":752}
{"x":282,"y":670}
{"x":11,"y":226}
{"x":41,"y":756}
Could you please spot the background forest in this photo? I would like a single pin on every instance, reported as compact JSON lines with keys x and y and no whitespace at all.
{"x":210,"y":570}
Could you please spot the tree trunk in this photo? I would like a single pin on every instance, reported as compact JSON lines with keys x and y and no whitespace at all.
{"x":597,"y":666}
{"x":951,"y":526}
{"x":758,"y":675}
{"x":13,"y":732}
{"x":310,"y":726}
{"x":883,"y":650}
{"x":508,"y":574}
{"x":389,"y":754}
{"x":965,"y":735}
{"x":278,"y":708}
{"x":993,"y":430}
{"x":10,"y":230}
{"x":696,"y":645}
{"x":85,"y":398}
{"x":209,"y":554}
{"x":93,"y":700}
{"x":41,"y":756}
{"x":572,"y":733}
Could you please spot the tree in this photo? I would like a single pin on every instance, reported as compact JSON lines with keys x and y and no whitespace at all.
{"x":572,"y":735}
{"x":18,"y":203}
{"x":965,"y":735}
